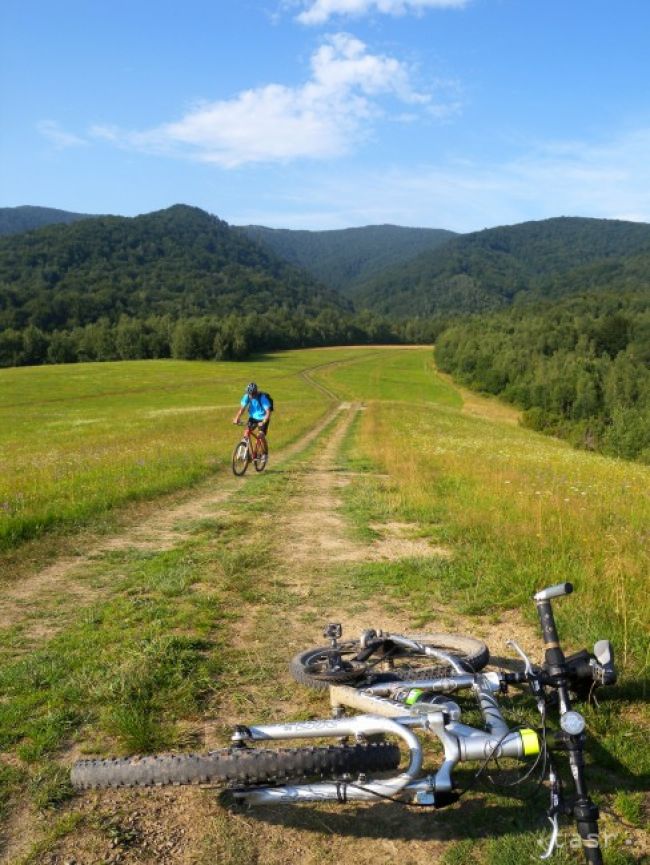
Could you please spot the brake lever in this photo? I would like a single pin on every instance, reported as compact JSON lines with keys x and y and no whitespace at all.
{"x":527,"y":663}
{"x":555,"y":831}
{"x":533,"y":679}
{"x":552,"y":813}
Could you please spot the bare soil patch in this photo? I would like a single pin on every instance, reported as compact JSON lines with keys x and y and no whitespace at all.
{"x":316,"y":531}
{"x":166,"y":827}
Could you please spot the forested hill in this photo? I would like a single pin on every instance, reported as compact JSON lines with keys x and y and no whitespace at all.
{"x":180,"y":262}
{"x":344,"y":259}
{"x":580,"y":367}
{"x":487,"y":270}
{"x":14,"y":220}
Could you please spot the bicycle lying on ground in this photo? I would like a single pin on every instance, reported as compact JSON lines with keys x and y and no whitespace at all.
{"x":402,"y":687}
{"x":253,"y":448}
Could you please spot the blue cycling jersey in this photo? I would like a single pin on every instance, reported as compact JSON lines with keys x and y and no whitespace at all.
{"x":257,"y":405}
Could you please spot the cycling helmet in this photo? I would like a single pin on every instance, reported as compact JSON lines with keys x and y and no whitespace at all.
{"x":251,"y":388}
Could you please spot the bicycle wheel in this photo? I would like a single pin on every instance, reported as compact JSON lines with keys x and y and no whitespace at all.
{"x":325,"y":666}
{"x":240,"y":458}
{"x":262,"y":456}
{"x":237,"y":766}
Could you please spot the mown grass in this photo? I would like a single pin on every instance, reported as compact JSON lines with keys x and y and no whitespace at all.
{"x":160,"y":649}
{"x":80,"y":439}
{"x":129,"y":666}
{"x":121,"y":677}
{"x":401,"y":374}
{"x":520,"y":510}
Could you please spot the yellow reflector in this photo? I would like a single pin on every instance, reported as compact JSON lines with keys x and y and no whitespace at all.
{"x":413,"y":696}
{"x":530,"y":741}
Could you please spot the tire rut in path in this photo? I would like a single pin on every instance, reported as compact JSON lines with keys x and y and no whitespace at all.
{"x":315,"y":531}
{"x":183,"y":814}
{"x":317,"y":534}
{"x":317,"y":539}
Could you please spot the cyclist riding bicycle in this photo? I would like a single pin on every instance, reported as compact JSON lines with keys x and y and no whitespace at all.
{"x":259,"y":407}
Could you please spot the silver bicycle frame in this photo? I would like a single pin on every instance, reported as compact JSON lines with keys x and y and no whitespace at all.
{"x":383,"y":715}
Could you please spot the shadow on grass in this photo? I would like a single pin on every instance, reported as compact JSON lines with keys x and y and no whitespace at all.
{"x":476,"y":819}
{"x":610,"y":775}
{"x":630,"y":690}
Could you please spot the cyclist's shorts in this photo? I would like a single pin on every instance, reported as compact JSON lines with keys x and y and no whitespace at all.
{"x":253,"y":424}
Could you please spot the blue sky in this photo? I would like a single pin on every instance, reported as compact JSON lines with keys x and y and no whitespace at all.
{"x":319,"y":114}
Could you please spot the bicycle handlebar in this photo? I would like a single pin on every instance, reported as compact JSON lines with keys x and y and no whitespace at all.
{"x":556,"y":591}
{"x":554,"y":654}
{"x":557,"y":674}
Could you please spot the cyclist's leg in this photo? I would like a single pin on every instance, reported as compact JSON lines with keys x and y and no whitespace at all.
{"x":255,"y":427}
{"x":263,"y":444}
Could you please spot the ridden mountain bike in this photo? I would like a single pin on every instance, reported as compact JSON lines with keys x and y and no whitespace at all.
{"x":253,"y":448}
{"x":402,"y":688}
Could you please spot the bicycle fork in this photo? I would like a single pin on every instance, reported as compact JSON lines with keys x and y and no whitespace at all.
{"x":460,"y":743}
{"x":359,"y":727}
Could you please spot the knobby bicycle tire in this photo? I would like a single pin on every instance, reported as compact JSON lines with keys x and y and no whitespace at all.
{"x":236,"y":766}
{"x":239,"y":466}
{"x":311,"y":667}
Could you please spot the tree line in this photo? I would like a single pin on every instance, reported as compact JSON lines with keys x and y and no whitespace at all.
{"x":230,"y":337}
{"x":580,"y":368}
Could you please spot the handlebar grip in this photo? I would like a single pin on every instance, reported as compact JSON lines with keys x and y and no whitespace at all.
{"x":554,"y":592}
{"x":515,"y":678}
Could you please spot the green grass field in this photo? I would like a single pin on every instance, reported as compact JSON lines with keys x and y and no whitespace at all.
{"x":140,"y":649}
{"x":80,"y":439}
{"x":524,"y":510}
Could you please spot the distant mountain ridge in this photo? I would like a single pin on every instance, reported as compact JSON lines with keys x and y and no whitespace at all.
{"x":345,"y":258}
{"x":180,"y":262}
{"x":15,"y":220}
{"x":404,"y":272}
{"x":489,"y":269}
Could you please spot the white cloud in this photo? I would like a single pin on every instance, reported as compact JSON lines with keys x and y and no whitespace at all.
{"x":606,"y":179}
{"x":105,"y":133}
{"x":325,"y":117}
{"x":51,"y":130}
{"x":320,"y":11}
{"x":577,"y":178}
